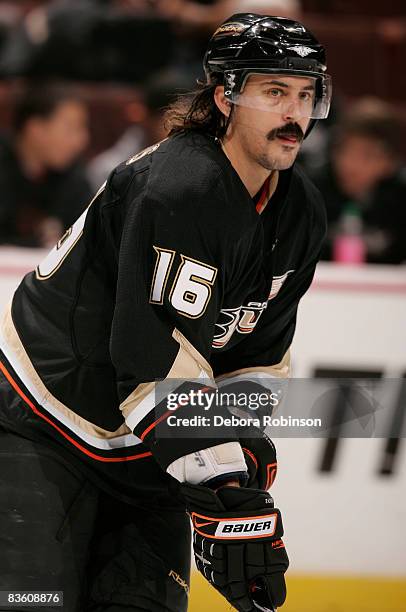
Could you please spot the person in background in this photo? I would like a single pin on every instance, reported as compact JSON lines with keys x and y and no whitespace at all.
{"x":192,"y":20}
{"x":88,"y":40}
{"x":364,"y":184}
{"x":209,"y":13}
{"x":146,"y":124}
{"x":43,"y":186}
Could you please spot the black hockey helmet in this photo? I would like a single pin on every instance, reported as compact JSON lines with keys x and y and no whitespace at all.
{"x":247,"y":43}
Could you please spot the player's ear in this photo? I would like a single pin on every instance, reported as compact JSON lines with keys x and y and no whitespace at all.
{"x":221,"y":101}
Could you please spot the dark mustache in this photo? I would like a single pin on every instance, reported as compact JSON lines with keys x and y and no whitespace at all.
{"x":290,"y":129}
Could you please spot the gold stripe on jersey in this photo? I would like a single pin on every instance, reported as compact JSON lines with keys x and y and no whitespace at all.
{"x":188,"y":358}
{"x":278,"y":370}
{"x":188,"y":365}
{"x":265,"y":376}
{"x":16,"y":354}
{"x":143,"y":393}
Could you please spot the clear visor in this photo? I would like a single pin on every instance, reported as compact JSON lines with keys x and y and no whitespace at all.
{"x":282,"y":93}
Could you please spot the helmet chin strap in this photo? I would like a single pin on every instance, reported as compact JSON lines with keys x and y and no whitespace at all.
{"x":228,"y":121}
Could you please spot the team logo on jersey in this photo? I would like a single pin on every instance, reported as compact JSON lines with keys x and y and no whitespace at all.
{"x":277,"y":283}
{"x":242,"y":320}
{"x":230,"y":317}
{"x":144,"y":152}
{"x":302,"y":50}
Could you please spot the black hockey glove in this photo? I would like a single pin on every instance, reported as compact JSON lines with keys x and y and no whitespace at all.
{"x":237,"y":545}
{"x":260,"y":457}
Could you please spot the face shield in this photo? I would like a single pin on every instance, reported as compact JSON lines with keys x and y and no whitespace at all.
{"x":308,"y":96}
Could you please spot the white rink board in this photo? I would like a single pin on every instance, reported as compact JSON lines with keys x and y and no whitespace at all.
{"x":353,"y":316}
{"x":350,"y":521}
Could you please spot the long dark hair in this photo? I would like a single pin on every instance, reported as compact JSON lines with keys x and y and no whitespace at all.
{"x":196,"y":110}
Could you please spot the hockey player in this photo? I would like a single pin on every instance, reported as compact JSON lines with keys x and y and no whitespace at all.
{"x":190,"y":262}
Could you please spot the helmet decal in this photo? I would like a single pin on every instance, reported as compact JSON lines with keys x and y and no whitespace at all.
{"x":228,"y":29}
{"x":246,"y":44}
{"x":230,"y":82}
{"x":301,"y":50}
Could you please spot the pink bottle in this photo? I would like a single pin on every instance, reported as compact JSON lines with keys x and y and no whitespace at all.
{"x":349,"y":246}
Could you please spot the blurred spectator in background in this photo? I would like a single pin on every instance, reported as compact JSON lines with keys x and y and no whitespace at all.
{"x":364,"y":187}
{"x":105,"y":39}
{"x":207,"y":14}
{"x":145,"y":118}
{"x":89,"y":40}
{"x":43,"y":187}
{"x":195,"y":20}
{"x":9,"y":16}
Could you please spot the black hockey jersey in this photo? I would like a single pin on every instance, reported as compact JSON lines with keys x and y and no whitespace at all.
{"x":171,"y":272}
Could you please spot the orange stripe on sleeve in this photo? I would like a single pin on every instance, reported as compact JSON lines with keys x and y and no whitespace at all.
{"x":27,"y":401}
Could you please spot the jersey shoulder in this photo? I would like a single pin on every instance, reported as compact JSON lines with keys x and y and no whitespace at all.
{"x":184,"y":162}
{"x":191,"y":168}
{"x":189,"y":175}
